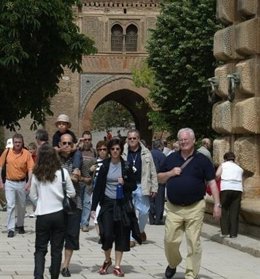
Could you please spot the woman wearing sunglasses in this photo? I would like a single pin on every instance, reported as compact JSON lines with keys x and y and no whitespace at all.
{"x":113,"y":190}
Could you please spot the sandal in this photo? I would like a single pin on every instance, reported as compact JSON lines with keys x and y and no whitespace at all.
{"x":118,"y":272}
{"x":105,"y":266}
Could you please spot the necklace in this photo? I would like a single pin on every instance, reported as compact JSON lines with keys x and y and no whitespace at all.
{"x":134,"y":158}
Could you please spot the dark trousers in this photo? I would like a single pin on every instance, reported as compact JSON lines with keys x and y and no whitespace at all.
{"x":112,"y":231}
{"x":157,"y":206}
{"x":230,"y":201}
{"x":49,"y":227}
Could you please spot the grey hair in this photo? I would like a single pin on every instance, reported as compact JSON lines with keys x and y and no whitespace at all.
{"x":42,"y":135}
{"x":134,"y":131}
{"x":186,"y":130}
{"x":157,"y":144}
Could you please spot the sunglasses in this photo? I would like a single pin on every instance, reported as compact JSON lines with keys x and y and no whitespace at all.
{"x":67,"y":143}
{"x":131,"y":138}
{"x":102,"y":149}
{"x":115,"y":148}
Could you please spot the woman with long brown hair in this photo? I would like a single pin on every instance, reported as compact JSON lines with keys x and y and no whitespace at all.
{"x":47,"y":192}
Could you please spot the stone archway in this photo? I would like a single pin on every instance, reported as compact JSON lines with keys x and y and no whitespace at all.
{"x":97,"y":89}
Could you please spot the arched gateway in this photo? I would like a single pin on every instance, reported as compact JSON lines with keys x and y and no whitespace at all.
{"x":120,"y":30}
{"x":97,"y":89}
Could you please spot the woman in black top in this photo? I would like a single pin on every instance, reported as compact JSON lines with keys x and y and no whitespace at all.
{"x":116,"y":219}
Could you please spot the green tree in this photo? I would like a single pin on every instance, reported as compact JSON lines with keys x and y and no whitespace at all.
{"x":145,"y":77}
{"x":104,"y":116}
{"x":38,"y":39}
{"x":181,"y":57}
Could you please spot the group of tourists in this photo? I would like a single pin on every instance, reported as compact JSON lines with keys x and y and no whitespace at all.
{"x":121,"y":184}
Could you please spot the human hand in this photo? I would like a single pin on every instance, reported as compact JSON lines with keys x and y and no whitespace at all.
{"x":216,"y":212}
{"x":153,"y":194}
{"x":175,"y":171}
{"x":93,"y":168}
{"x":120,"y":180}
{"x":27,"y":187}
{"x":93,"y":214}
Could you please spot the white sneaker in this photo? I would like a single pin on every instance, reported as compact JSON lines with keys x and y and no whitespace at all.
{"x":32,"y":215}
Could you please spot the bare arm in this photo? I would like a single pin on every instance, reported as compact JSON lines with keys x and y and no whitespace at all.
{"x":215,"y":194}
{"x":219,"y":172}
{"x":164,"y":176}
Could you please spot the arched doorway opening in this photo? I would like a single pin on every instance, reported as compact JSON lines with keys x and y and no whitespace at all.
{"x":123,"y":91}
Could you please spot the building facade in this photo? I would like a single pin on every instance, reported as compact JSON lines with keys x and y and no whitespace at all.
{"x":120,"y":30}
{"x":236,"y":117}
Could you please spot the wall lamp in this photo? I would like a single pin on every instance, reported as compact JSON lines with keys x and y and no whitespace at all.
{"x":233,"y":83}
{"x":212,"y":92}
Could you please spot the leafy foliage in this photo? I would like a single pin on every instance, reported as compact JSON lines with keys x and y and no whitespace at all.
{"x":180,"y":55}
{"x":37,"y":40}
{"x":145,"y":77}
{"x":104,"y":116}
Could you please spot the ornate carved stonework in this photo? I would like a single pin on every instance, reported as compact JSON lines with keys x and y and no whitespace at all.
{"x":90,"y":83}
{"x":107,"y":74}
{"x":237,"y":116}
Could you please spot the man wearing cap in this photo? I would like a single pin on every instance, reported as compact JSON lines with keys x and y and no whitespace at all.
{"x":19,"y":165}
{"x":63,"y":124}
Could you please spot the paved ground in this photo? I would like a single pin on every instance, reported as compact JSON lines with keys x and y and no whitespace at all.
{"x":142,"y":262}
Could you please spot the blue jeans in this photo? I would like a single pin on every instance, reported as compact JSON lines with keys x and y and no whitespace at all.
{"x":86,"y":206}
{"x":142,"y":205}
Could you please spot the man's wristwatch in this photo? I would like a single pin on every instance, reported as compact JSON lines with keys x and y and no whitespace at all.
{"x":218,"y":205}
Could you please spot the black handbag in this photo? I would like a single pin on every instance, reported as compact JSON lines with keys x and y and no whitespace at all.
{"x":4,"y":167}
{"x":67,"y":202}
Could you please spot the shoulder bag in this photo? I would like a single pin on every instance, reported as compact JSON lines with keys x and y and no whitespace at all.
{"x":66,"y":200}
{"x":4,"y":167}
{"x":186,"y":163}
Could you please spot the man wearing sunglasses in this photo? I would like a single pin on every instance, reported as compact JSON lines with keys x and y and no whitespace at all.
{"x":86,"y":181}
{"x":71,"y":160}
{"x":141,"y":160}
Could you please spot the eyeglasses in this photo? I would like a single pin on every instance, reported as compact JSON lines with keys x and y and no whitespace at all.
{"x":115,"y":148}
{"x":131,"y":138}
{"x":87,"y":139}
{"x":67,"y":143}
{"x":102,"y":149}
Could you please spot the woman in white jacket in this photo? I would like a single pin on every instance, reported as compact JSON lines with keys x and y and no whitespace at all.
{"x":46,"y":190}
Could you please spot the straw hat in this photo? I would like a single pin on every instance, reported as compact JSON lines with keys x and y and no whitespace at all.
{"x":63,"y":118}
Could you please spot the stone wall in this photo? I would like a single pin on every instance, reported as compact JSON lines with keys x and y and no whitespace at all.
{"x":107,"y":74}
{"x":236,"y":117}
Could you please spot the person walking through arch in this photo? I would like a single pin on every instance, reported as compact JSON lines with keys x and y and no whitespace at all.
{"x":231,"y":189}
{"x":185,"y":173}
{"x":141,"y":160}
{"x":47,"y":193}
{"x":19,"y":166}
{"x":113,"y":191}
{"x":71,"y":160}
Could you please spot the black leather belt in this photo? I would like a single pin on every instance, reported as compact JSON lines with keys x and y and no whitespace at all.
{"x":17,"y":180}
